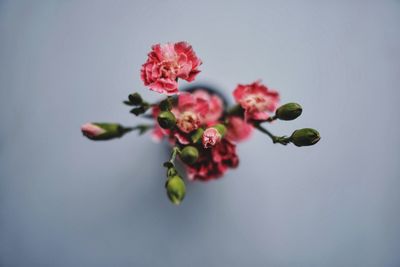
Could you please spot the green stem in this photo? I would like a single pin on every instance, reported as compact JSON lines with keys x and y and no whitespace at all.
{"x":283,"y":140}
{"x":142,"y":128}
{"x":170,"y":163}
{"x":175,"y":151}
{"x":271,"y":119}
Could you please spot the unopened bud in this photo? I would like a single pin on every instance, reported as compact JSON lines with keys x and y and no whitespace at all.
{"x":166,"y":119}
{"x":189,"y":154}
{"x":289,"y":111}
{"x":220,"y":128}
{"x":211,"y":137}
{"x":103,"y":131}
{"x":135,"y":99}
{"x":196,"y":135}
{"x":175,"y":189}
{"x":305,"y":137}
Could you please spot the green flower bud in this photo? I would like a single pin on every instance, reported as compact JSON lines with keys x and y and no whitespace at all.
{"x":220,"y":128}
{"x":135,"y":99}
{"x":189,"y":154}
{"x":196,"y":135}
{"x":305,"y":137}
{"x":289,"y":111}
{"x":103,"y":131}
{"x":166,"y":119}
{"x":175,"y":189}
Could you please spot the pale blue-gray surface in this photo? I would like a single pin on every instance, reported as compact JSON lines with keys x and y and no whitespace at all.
{"x":66,"y":201}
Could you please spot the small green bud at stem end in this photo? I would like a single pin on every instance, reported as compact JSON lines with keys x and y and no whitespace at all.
{"x":166,"y":120}
{"x":220,"y":128}
{"x":289,"y":111}
{"x":189,"y":154}
{"x":305,"y":137}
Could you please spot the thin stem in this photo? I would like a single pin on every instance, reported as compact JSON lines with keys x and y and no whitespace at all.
{"x":175,"y":151}
{"x":271,"y":119}
{"x":262,"y":129}
{"x":147,"y":116}
{"x":142,"y":128}
{"x":170,"y":163}
{"x":283,"y":140}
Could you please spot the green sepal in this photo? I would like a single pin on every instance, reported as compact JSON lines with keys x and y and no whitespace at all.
{"x":220,"y":128}
{"x":135,"y":99}
{"x":111,"y":131}
{"x":283,"y":140}
{"x":140,"y":110}
{"x":196,"y":135}
{"x":128,"y":103}
{"x":171,"y":171}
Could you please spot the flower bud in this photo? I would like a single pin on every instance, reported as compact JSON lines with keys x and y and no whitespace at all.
{"x":211,"y":137}
{"x":103,"y":131}
{"x":196,"y":135}
{"x":135,"y":99}
{"x":288,"y":112}
{"x":220,"y":128}
{"x":166,"y":119}
{"x":175,"y":189}
{"x":189,"y":154}
{"x":305,"y":137}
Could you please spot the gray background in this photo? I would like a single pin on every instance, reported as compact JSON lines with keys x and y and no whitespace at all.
{"x":67,"y":201}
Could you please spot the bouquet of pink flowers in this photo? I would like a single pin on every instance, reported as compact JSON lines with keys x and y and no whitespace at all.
{"x":201,"y":129}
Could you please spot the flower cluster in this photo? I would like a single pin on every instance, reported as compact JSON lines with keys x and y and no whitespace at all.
{"x":201,"y":122}
{"x":201,"y":129}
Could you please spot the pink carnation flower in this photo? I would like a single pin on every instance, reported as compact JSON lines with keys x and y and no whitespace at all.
{"x":196,"y":109}
{"x":238,"y":130}
{"x":256,"y":99}
{"x":91,"y":130}
{"x":168,"y":62}
{"x":189,"y":111}
{"x":188,"y":121}
{"x":213,"y":163}
{"x":215,"y":106}
{"x":211,"y":137}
